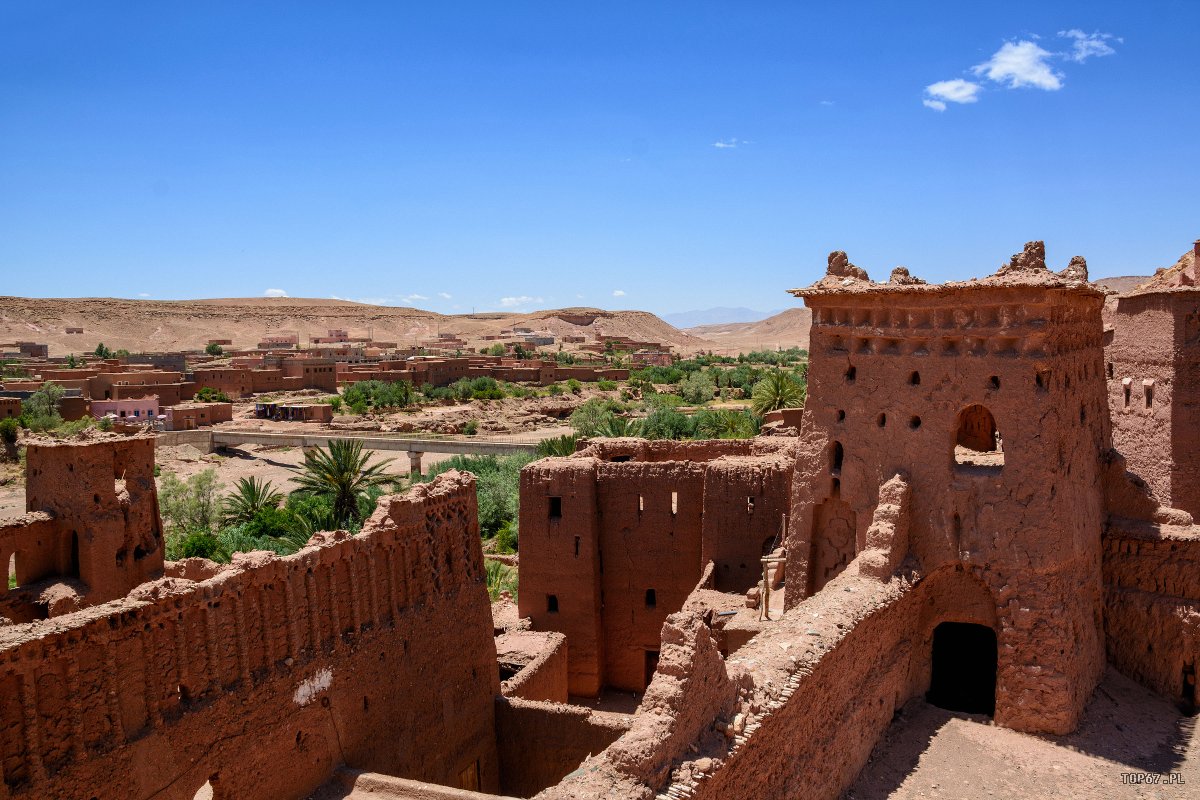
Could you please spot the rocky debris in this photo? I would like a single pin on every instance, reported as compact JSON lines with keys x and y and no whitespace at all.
{"x":840,"y":267}
{"x":902,"y":277}
{"x":1033,"y":257}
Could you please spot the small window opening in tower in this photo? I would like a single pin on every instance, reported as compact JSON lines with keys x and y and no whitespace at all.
{"x":837,"y":457}
{"x":978,"y":442}
{"x":915,"y":379}
{"x":851,"y":374}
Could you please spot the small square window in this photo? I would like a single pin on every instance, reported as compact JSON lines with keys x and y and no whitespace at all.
{"x":552,"y":603}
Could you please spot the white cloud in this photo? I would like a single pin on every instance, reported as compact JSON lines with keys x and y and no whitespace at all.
{"x":275,"y":293}
{"x":1021,"y":64}
{"x":522,"y":300}
{"x":444,"y":295}
{"x":618,"y":292}
{"x":731,"y":142}
{"x":143,"y":294}
{"x":826,"y":102}
{"x":1086,"y":45}
{"x":409,"y":299}
{"x":952,"y":91}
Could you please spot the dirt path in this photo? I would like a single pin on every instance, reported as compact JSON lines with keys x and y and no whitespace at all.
{"x":932,"y":753}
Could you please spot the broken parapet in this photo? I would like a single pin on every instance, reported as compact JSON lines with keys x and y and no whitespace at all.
{"x":690,"y":689}
{"x":902,"y":277}
{"x":1033,"y":257}
{"x":1077,"y":270}
{"x":839,"y":266}
{"x":887,"y":538}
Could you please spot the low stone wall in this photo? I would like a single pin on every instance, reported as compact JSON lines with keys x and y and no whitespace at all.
{"x":561,"y":736}
{"x":1152,"y":606}
{"x":302,"y":661}
{"x":544,"y":677}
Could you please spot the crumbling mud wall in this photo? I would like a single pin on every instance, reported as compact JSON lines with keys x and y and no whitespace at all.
{"x":616,"y":536}
{"x":800,"y":705}
{"x":102,"y":497}
{"x":1154,"y":378}
{"x":264,"y":677}
{"x":1152,"y":606}
{"x":897,"y":376}
{"x":543,"y":665}
{"x":540,"y":743}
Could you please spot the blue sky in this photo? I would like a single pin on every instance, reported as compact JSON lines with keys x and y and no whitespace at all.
{"x":660,"y":156}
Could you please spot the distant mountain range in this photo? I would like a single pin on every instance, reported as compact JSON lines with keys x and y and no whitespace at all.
{"x":715,"y":316}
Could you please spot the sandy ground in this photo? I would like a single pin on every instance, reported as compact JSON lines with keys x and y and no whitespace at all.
{"x":932,"y":753}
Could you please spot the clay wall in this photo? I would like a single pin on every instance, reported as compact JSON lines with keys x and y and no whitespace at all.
{"x":891,"y":372}
{"x":103,"y":498}
{"x":544,"y":675}
{"x":616,"y":537}
{"x":232,"y":381}
{"x":10,"y":407}
{"x":562,"y":736}
{"x":802,"y":704}
{"x":1154,"y":383}
{"x":1152,"y":606}
{"x":300,"y":661}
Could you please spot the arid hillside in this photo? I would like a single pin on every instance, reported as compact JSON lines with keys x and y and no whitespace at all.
{"x":147,"y":325}
{"x":786,"y":329}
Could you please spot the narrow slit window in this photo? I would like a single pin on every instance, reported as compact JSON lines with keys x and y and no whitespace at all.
{"x":651,"y":598}
{"x":552,"y":603}
{"x":555,"y":508}
{"x":1148,"y":392}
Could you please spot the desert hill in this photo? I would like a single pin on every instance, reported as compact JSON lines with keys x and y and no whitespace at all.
{"x":785,"y":329}
{"x":149,"y":325}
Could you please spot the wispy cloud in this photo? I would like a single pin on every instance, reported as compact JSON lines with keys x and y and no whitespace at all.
{"x":730,"y":143}
{"x":618,"y":292}
{"x":444,"y":295}
{"x":409,"y":299}
{"x":1086,"y":45}
{"x":516,"y":302}
{"x":952,"y":91}
{"x":143,"y":294}
{"x":826,"y":102}
{"x":275,"y":293}
{"x":1019,"y":64}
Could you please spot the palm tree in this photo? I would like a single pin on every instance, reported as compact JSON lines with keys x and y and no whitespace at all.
{"x":341,"y":473}
{"x":727,"y":423}
{"x":250,"y":496}
{"x":617,"y":427}
{"x":777,"y":390}
{"x":557,"y":445}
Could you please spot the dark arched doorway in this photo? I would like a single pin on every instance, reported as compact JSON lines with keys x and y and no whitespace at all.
{"x":964,"y":668}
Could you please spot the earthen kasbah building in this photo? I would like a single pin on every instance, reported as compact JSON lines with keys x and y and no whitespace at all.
{"x":987,"y":498}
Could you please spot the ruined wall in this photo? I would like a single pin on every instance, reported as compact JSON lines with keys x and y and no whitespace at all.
{"x":304,"y":661}
{"x":894,"y":372}
{"x":561,"y":736}
{"x":1152,"y":606}
{"x":800,"y":705}
{"x":102,"y":496}
{"x":616,"y":536}
{"x":1154,"y":392}
{"x":543,"y":676}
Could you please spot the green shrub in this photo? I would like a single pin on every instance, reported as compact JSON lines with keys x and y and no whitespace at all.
{"x":9,"y":430}
{"x":575,"y":386}
{"x":335,"y":403}
{"x":210,"y":395}
{"x":554,"y":390}
{"x":196,"y":544}
{"x":194,"y":505}
{"x":666,"y":423}
{"x":506,"y":538}
{"x":606,"y":386}
{"x":591,"y":416}
{"x":500,"y":578}
{"x":40,"y":409}
{"x":697,"y":388}
{"x":214,"y":349}
{"x":471,"y":428}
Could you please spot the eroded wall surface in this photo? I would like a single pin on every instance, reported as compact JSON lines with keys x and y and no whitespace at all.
{"x":374,"y":650}
{"x":616,"y":537}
